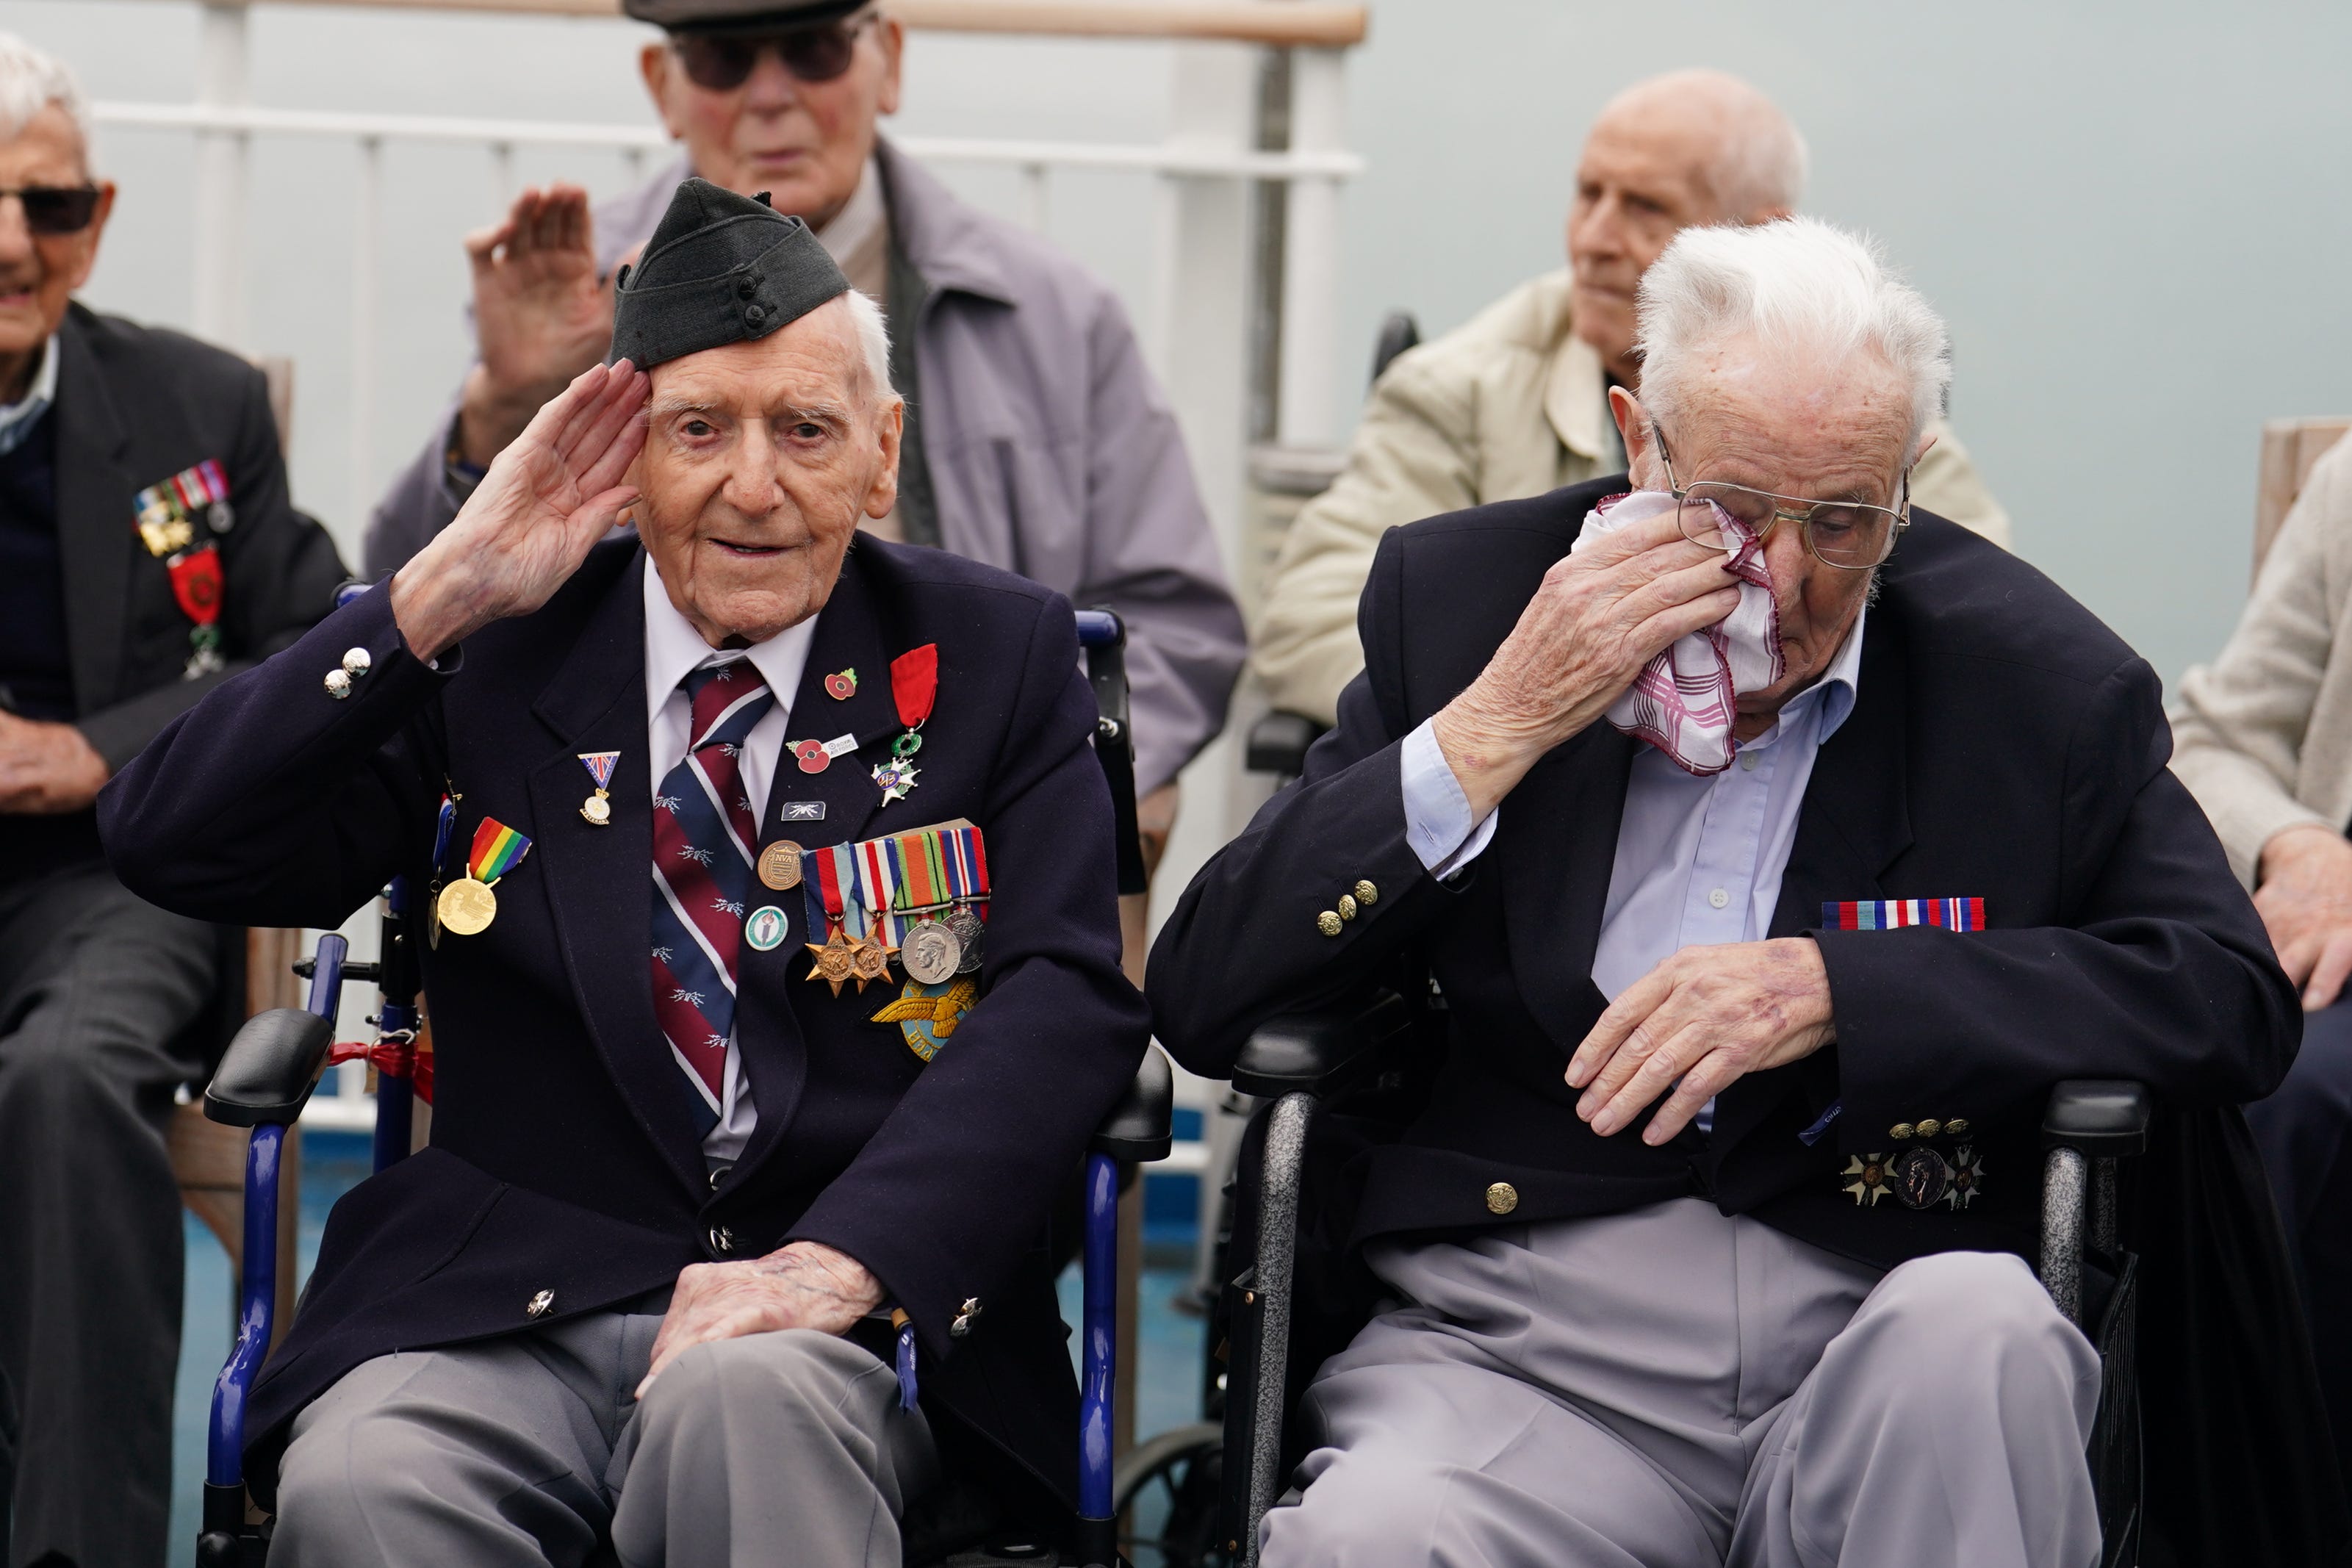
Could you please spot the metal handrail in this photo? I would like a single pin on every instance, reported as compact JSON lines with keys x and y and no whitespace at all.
{"x":1161,"y":160}
{"x":1312,"y":24}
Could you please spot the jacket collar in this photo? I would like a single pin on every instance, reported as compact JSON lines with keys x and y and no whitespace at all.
{"x":97,"y":540}
{"x":947,"y":242}
{"x":1576,"y":396}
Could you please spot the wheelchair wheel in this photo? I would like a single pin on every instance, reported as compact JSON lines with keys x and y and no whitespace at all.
{"x":1165,"y":1494}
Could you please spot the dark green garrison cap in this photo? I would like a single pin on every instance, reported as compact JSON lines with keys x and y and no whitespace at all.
{"x":721,"y":268}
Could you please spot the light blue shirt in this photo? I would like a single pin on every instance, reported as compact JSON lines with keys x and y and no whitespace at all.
{"x":17,"y":419}
{"x":1700,"y":860}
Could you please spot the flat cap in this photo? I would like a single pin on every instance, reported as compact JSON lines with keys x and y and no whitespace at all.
{"x":765,"y":15}
{"x":721,"y":268}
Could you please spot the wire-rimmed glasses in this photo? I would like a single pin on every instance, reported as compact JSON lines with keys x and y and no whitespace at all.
{"x":1853,"y":536}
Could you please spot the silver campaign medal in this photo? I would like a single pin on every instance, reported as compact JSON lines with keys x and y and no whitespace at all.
{"x":931,"y":953}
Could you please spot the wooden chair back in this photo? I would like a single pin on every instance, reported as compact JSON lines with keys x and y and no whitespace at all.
{"x":2289,"y":448}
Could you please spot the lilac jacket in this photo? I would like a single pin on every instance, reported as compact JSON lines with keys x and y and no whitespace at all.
{"x":1052,"y":451}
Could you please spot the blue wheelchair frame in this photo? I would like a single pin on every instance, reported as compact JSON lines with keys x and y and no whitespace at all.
{"x":1136,"y":1131}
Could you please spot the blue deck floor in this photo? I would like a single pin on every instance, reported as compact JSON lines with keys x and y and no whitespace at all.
{"x":1169,"y":1349}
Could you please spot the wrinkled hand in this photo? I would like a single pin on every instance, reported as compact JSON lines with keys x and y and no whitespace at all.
{"x":2305,"y":897}
{"x":542,"y":315}
{"x":1707,"y":1015}
{"x":1600,"y":615}
{"x":526,"y":527}
{"x":807,"y":1285}
{"x":46,"y":768}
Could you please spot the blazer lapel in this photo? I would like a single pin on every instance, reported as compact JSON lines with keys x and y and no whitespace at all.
{"x":599,"y":880}
{"x":1557,"y":844}
{"x":852,"y":633}
{"x":97,"y":537}
{"x":1855,"y":823}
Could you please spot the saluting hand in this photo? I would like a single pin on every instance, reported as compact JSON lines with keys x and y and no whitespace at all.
{"x":548,"y":499}
{"x":807,"y":1285}
{"x":1600,"y":615}
{"x":1701,"y":1020}
{"x":541,"y":314}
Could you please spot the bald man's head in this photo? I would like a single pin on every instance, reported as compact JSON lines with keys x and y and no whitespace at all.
{"x":1689,"y":147}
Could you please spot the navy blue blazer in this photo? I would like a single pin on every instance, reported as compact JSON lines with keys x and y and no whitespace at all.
{"x":2003,"y":745}
{"x":563,"y":1155}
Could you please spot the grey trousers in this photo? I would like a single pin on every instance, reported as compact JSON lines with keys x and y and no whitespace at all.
{"x":94,"y":986}
{"x":773,"y":1448}
{"x":1676,"y":1387}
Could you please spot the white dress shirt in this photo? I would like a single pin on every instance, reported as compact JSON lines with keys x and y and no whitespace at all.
{"x":674,"y":650}
{"x":1700,"y":860}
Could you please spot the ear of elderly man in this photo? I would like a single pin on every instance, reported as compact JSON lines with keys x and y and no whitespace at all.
{"x":1707,"y":1241}
{"x":717,"y":1253}
{"x":148,"y":550}
{"x":1516,"y":401}
{"x":1035,"y":438}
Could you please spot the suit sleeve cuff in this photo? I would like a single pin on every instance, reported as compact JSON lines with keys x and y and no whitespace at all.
{"x":1437,"y":822}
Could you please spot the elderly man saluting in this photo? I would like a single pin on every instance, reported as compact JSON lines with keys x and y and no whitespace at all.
{"x":1035,"y":436}
{"x":1762,"y":947}
{"x":700,"y":1220}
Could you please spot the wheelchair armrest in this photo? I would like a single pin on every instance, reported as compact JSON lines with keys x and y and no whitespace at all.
{"x":1317,"y":1052}
{"x":1278,"y":743}
{"x":2101,"y":1118}
{"x":268,"y":1070}
{"x":1137,"y":1130}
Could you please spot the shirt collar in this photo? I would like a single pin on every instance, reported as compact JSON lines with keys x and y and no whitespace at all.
{"x":1836,"y":690}
{"x":674,"y":650}
{"x":17,"y":419}
{"x":859,"y":218}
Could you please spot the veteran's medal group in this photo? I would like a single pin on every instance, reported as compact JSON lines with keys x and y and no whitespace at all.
{"x":917,"y":899}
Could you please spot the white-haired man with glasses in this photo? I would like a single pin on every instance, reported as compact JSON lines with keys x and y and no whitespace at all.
{"x":1037,"y":439}
{"x":1775,"y":845}
{"x":147,"y":551}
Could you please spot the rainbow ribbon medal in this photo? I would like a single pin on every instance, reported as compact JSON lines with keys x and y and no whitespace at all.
{"x":468,"y":906}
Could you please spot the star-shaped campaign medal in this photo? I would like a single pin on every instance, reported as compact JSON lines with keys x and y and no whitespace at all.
{"x":1869,"y":1178}
{"x":832,"y":961}
{"x":869,"y":959}
{"x":896,"y":776}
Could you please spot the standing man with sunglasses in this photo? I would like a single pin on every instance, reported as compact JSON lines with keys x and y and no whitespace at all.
{"x":1036,"y":440}
{"x":147,"y":550}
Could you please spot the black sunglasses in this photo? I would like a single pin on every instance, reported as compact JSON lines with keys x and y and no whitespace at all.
{"x":721,"y":62}
{"x":57,"y":209}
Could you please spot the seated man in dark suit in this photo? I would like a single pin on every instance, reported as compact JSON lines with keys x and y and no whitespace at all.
{"x":712,"y":1256}
{"x":1707,"y":1235}
{"x":147,"y":550}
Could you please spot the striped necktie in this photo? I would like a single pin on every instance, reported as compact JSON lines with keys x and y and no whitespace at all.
{"x":705,"y":838}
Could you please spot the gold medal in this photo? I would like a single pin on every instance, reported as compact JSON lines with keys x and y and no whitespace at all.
{"x":597,"y":809}
{"x":831,"y":959}
{"x":467,"y":907}
{"x":779,"y":865}
{"x":869,"y":960}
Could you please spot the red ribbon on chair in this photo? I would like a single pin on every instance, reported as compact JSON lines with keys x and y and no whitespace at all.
{"x":399,"y":1058}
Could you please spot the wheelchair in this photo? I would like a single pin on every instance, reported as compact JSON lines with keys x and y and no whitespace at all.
{"x":1282,"y":1313}
{"x":266,"y":1076}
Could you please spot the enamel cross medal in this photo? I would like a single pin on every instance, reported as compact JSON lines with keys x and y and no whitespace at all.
{"x":914,"y":687}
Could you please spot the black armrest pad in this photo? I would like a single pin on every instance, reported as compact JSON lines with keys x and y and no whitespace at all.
{"x":267,"y":1071}
{"x":1317,"y":1052}
{"x":1137,"y":1130}
{"x":2101,"y":1117}
{"x":1278,"y":743}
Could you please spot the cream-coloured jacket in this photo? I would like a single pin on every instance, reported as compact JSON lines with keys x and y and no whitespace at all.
{"x":1511,"y":404}
{"x":2263,"y":736}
